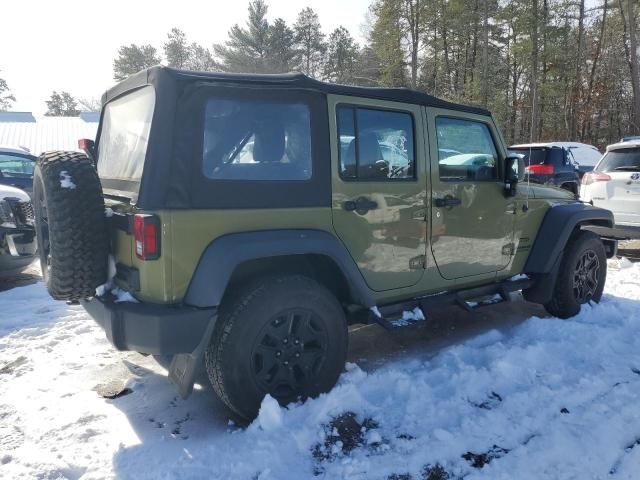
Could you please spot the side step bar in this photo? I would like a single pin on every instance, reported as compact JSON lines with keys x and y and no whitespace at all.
{"x":387,"y":316}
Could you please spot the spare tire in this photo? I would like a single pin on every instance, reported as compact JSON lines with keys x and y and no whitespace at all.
{"x":70,"y":225}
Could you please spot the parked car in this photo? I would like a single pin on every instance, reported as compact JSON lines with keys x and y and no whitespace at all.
{"x":254,"y":269}
{"x":17,"y":232}
{"x":614,"y":184}
{"x":561,"y":164}
{"x":16,"y":168}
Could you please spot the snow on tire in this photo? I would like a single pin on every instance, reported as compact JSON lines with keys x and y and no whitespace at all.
{"x":70,"y":225}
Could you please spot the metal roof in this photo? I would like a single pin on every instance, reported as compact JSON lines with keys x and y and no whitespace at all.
{"x":39,"y":133}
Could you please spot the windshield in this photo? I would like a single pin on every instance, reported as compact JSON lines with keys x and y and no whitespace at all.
{"x":122,"y":146}
{"x":16,"y":166}
{"x":621,"y":160}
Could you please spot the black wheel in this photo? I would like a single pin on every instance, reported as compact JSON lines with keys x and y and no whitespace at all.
{"x":582,"y":274}
{"x":70,"y":225}
{"x":283,"y":336}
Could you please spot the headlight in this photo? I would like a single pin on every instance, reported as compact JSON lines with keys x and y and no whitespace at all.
{"x":7,"y":219}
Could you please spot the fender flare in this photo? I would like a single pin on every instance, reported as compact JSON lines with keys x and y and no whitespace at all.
{"x":555,"y":231}
{"x":224,"y":254}
{"x":557,"y":226}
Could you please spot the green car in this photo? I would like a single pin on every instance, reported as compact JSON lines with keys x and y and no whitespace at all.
{"x":242,"y":222}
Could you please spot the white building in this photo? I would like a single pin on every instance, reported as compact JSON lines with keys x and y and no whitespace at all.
{"x":39,"y":133}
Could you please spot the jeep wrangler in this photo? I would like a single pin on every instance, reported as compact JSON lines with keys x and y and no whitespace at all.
{"x":242,"y":222}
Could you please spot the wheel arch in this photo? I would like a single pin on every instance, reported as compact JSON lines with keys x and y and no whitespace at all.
{"x":559,"y":224}
{"x":231,"y":259}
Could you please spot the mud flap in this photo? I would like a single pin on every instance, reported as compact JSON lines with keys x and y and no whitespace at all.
{"x":185,"y":366}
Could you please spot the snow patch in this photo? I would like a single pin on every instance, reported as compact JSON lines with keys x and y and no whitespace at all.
{"x":270,"y":415}
{"x":544,"y":399}
{"x":108,"y":212}
{"x":66,"y":181}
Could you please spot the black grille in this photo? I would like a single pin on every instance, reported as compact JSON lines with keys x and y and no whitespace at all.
{"x":22,"y":212}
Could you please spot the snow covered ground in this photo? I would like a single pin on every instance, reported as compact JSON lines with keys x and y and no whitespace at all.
{"x":535,"y":399}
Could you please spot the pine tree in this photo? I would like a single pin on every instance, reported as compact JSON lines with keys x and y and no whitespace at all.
{"x":62,"y":105}
{"x":342,"y":57}
{"x":247,"y":48}
{"x":386,"y":42}
{"x":133,"y":58}
{"x":6,"y":98}
{"x":280,"y":54}
{"x":176,"y":49}
{"x":200,"y":59}
{"x":309,"y":40}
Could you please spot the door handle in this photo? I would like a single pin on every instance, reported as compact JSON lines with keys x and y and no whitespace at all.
{"x":361,"y":205}
{"x":447,"y":201}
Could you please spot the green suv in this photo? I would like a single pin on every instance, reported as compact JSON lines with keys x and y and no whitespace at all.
{"x":242,"y":222}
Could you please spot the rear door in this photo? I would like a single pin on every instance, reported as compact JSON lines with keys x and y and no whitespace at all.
{"x":379,"y":188}
{"x":472,"y":220}
{"x":621,"y":194}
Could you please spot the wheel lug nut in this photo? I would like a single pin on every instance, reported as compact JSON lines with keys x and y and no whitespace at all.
{"x":297,"y":355}
{"x":297,"y":342}
{"x":286,"y":362}
{"x":285,"y":341}
{"x":278,"y":354}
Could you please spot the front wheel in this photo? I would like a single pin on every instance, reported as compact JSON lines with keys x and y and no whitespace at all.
{"x":581,"y":277}
{"x":283,"y":336}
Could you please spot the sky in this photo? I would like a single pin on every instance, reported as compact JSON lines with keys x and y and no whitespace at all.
{"x":70,"y":44}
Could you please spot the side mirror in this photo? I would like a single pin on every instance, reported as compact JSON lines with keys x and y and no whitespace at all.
{"x":513,"y":173}
{"x":89,"y":147}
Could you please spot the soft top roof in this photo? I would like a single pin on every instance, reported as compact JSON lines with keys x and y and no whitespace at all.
{"x":155,"y":75}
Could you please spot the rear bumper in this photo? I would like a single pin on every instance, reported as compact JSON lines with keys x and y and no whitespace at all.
{"x":150,"y":328}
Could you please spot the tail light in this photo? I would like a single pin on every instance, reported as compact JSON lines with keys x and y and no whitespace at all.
{"x":539,"y":169}
{"x":146,"y":233}
{"x":593,"y":177}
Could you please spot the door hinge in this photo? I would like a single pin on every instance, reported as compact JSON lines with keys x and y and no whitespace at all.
{"x":417,"y":263}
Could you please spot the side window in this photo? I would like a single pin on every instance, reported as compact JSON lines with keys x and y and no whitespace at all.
{"x":246,"y":140}
{"x":466,"y":151}
{"x":375,"y":145}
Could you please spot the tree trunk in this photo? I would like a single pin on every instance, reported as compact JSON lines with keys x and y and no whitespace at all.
{"x":577,"y":83}
{"x":485,"y":54}
{"x":634,"y":67}
{"x":592,"y":74}
{"x":534,"y":72}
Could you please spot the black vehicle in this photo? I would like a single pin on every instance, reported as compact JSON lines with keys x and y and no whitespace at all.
{"x":16,"y":168}
{"x":550,"y":165}
{"x":17,"y":232}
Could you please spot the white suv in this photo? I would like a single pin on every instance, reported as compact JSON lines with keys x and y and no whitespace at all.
{"x":614,"y":183}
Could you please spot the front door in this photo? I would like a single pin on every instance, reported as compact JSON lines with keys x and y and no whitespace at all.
{"x":472,"y":220}
{"x":379,"y":188}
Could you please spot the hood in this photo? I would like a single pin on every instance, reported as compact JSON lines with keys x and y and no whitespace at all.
{"x":11,"y":192}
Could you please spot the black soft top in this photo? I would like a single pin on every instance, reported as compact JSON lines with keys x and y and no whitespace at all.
{"x":164,"y":76}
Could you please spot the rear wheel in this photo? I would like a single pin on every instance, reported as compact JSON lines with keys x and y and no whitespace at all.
{"x":283,"y":336}
{"x":581,"y":277}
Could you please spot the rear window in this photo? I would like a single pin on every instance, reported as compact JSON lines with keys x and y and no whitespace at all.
{"x":249,"y":140}
{"x":532,"y":156}
{"x":623,"y":159}
{"x":124,"y":135}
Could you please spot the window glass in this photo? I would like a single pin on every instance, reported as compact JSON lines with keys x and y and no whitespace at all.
{"x":14,"y":166}
{"x":624,"y":159}
{"x":466,"y":151}
{"x":124,"y":135}
{"x":375,"y":144}
{"x":245,"y":140}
